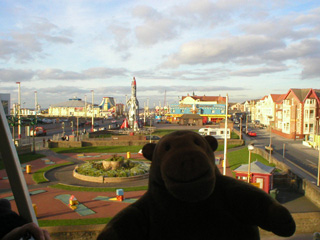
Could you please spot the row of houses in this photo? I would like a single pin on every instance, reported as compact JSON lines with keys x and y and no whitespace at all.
{"x":293,"y":115}
{"x":209,"y":108}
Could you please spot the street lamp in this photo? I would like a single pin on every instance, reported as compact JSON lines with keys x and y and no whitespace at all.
{"x":92,"y":120}
{"x":270,"y":147}
{"x":19,"y":110}
{"x":250,"y":148}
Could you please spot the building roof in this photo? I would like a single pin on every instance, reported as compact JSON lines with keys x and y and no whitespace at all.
{"x":300,"y":93}
{"x":73,"y":102}
{"x":277,"y":97}
{"x":255,"y":167}
{"x":204,"y":98}
{"x":193,"y":116}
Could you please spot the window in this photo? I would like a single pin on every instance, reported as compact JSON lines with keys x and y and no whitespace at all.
{"x":311,"y":128}
{"x":311,"y":114}
{"x":306,"y":127}
{"x":212,"y":111}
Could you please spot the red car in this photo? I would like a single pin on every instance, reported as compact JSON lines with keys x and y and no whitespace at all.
{"x":252,"y":134}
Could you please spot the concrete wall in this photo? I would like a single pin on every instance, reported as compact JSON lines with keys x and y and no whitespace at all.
{"x":64,"y":144}
{"x":312,"y":192}
{"x":24,"y":149}
{"x":305,"y":223}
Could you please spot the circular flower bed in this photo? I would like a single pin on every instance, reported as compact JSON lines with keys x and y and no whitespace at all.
{"x":120,"y":168}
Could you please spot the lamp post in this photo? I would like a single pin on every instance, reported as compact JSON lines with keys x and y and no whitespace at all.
{"x":270,"y":147}
{"x":92,"y":120}
{"x":250,"y":148}
{"x":19,"y":111}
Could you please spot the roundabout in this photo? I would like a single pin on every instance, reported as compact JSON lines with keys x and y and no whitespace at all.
{"x":67,"y":175}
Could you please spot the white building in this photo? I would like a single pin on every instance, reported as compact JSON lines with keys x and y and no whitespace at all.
{"x":5,"y":100}
{"x":74,"y":107}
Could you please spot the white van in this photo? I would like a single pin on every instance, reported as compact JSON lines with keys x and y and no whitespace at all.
{"x":218,"y":133}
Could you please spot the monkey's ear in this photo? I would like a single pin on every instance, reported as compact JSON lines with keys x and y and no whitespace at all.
{"x":148,"y":150}
{"x":212,"y":142}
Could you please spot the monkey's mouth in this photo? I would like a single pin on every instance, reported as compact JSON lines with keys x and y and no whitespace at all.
{"x":184,"y":178}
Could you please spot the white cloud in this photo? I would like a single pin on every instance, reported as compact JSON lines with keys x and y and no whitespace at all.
{"x":311,"y":68}
{"x":254,"y":72}
{"x":222,"y":50}
{"x":12,"y":75}
{"x":27,"y":42}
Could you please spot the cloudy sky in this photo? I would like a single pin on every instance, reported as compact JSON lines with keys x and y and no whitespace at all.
{"x":246,"y":49}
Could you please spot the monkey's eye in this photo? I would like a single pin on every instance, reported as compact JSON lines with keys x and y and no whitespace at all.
{"x":167,"y":147}
{"x":197,"y":141}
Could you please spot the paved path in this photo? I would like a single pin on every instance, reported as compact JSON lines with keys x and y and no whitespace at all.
{"x":49,"y":208}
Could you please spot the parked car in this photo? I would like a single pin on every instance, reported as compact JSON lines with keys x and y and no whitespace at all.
{"x":252,"y":133}
{"x":47,"y":120}
{"x":153,"y":137}
{"x":81,"y":124}
{"x":40,"y":131}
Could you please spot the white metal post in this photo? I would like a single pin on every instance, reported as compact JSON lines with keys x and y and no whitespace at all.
{"x":19,"y":111}
{"x":92,"y":117}
{"x":225,"y":139}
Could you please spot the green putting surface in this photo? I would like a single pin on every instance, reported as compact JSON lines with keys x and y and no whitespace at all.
{"x":81,"y":209}
{"x":126,"y":200}
{"x":47,"y":161}
{"x":31,"y":193}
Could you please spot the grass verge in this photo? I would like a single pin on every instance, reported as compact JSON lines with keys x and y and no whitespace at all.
{"x":23,"y":158}
{"x":99,"y":149}
{"x":241,"y":156}
{"x":96,"y":189}
{"x":38,"y":176}
{"x":72,"y":222}
{"x":113,"y":149}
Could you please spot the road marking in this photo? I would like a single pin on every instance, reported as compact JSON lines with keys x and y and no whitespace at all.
{"x":309,"y":173}
{"x":311,"y":163}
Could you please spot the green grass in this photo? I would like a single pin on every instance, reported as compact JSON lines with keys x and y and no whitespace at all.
{"x":221,"y":147}
{"x":241,"y":156}
{"x":234,"y":135}
{"x":95,"y":189}
{"x":113,"y":149}
{"x":72,"y":222}
{"x":100,"y":149}
{"x":24,"y":158}
{"x":38,"y":176}
{"x":162,"y":132}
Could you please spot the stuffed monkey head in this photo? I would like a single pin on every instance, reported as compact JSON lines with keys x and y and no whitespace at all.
{"x":183,"y":162}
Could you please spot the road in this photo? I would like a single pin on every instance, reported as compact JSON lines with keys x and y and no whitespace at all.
{"x":57,"y":128}
{"x":294,"y":151}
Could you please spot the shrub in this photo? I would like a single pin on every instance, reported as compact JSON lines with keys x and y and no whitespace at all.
{"x":130,"y":168}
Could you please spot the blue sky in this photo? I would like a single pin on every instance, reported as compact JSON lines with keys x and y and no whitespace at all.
{"x":246,"y":49}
